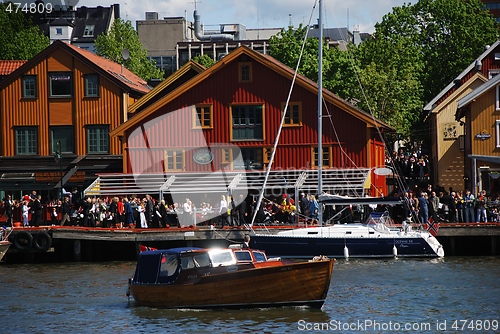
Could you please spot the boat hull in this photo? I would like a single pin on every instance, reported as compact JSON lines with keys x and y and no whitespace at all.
{"x":305,"y":247}
{"x":304,"y":284}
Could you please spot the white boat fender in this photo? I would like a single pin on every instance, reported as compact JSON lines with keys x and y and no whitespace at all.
{"x":394,"y":251}
{"x":346,"y":252}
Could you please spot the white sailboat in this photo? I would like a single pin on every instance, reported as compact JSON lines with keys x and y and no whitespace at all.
{"x":373,"y":238}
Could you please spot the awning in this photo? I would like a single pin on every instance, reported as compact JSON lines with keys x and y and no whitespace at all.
{"x":487,"y":158}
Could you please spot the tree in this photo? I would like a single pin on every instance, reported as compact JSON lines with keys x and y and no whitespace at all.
{"x":390,"y":84}
{"x":204,"y":60}
{"x":286,"y":45}
{"x":123,"y":36}
{"x":450,"y":34}
{"x":20,"y":39}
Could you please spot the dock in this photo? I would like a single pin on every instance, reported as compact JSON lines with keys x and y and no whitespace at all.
{"x":94,"y":244}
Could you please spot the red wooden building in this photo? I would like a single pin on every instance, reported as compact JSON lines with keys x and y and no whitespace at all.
{"x":227,"y":118}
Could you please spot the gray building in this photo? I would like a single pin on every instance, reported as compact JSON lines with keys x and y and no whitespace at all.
{"x":173,"y":41}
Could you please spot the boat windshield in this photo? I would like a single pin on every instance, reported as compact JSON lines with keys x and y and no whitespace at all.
{"x":168,"y":265}
{"x":222,"y":257}
{"x":243,"y":256}
{"x":259,"y":256}
{"x":195,"y":260}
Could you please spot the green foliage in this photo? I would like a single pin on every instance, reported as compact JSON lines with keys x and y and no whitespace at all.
{"x":20,"y":39}
{"x":415,"y":52}
{"x":285,"y":46}
{"x":449,"y":33}
{"x":204,"y":60}
{"x":123,"y":36}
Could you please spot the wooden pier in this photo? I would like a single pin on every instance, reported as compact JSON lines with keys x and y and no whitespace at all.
{"x":73,"y":243}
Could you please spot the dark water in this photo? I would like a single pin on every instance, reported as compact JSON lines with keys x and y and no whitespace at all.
{"x":407,"y":295}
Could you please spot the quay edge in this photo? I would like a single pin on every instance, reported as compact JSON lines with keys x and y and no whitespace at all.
{"x":70,"y":244}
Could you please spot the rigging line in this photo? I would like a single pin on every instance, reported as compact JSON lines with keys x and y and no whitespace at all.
{"x":344,"y":153}
{"x":271,"y":159}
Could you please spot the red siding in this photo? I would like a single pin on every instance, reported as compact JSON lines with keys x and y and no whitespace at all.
{"x":171,"y":125}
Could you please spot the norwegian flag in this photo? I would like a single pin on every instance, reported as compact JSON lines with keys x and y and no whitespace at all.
{"x":432,"y":226}
{"x":143,"y":248}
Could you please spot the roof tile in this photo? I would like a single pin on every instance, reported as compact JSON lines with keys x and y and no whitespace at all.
{"x":9,"y":66}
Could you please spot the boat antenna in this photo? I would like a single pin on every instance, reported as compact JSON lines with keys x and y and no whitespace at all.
{"x":320,"y":108}
{"x":271,"y":159}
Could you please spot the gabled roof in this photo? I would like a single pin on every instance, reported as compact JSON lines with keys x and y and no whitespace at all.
{"x":9,"y":66}
{"x":479,"y":91}
{"x":100,"y":17}
{"x":163,"y":87}
{"x":476,"y":77}
{"x":267,"y":61}
{"x":122,"y":74}
{"x":429,"y":106}
{"x":113,"y":71}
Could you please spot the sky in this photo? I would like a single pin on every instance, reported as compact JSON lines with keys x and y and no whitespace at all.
{"x":362,"y":14}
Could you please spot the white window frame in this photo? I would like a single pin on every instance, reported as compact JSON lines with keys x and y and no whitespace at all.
{"x":493,"y":73}
{"x":497,"y":133}
{"x":497,"y":102}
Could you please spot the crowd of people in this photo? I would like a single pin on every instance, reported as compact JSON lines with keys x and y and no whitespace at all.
{"x":124,"y":211}
{"x":447,"y":206}
{"x":434,"y":203}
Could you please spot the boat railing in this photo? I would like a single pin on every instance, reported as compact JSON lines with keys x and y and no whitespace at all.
{"x":379,"y":221}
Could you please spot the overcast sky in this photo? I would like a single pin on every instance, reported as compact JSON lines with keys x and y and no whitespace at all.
{"x":362,"y":14}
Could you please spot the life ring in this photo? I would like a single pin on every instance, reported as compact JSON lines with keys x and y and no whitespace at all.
{"x":43,"y":241}
{"x":23,"y":240}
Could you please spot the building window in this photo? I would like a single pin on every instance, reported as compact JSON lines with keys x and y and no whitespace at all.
{"x":226,"y":155}
{"x":497,"y":133}
{"x":97,"y":139}
{"x":29,"y":86}
{"x":251,"y":158}
{"x":91,"y":85}
{"x":173,"y":160}
{"x":327,"y":161}
{"x":60,"y":85}
{"x":497,"y":102}
{"x":493,"y":73}
{"x":267,"y":152}
{"x":58,"y":31}
{"x":247,"y":122}
{"x":202,"y":116}
{"x":293,"y":116}
{"x":89,"y":31}
{"x":245,"y":72}
{"x":63,"y":135}
{"x":26,"y":140}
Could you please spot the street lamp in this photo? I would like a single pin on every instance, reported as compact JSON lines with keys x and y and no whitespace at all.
{"x":58,"y":156}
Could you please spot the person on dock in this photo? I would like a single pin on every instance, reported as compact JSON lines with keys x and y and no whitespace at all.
{"x":26,"y":211}
{"x":423,"y":208}
{"x":242,"y":210}
{"x":481,"y":207}
{"x":141,"y":208}
{"x":65,"y":211}
{"x":129,"y":212}
{"x":469,"y":206}
{"x":36,"y":211}
{"x":9,"y":207}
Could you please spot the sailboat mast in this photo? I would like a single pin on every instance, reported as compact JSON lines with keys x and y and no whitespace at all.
{"x":320,"y":108}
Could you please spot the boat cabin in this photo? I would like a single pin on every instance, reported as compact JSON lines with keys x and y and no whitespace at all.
{"x":187,"y":263}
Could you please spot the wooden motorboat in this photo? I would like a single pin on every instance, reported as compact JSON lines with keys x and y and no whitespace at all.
{"x":227,"y":278}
